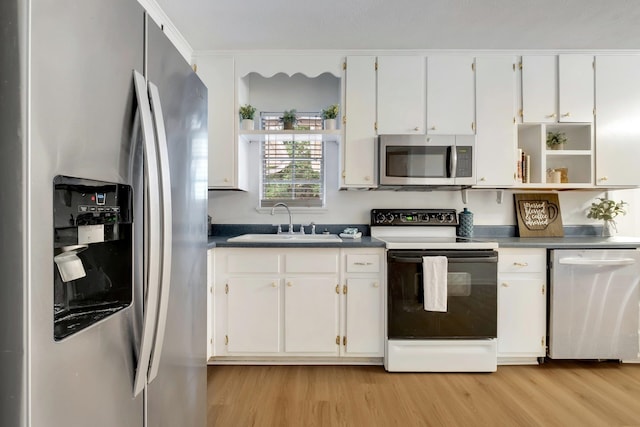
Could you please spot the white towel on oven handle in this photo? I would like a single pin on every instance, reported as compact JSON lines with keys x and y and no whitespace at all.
{"x":434,"y":283}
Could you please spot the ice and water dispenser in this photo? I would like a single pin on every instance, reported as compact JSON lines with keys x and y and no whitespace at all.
{"x":92,"y":252}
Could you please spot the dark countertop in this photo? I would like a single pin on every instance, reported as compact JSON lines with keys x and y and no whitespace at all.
{"x":221,"y":232}
{"x":570,"y":242}
{"x":576,"y":237}
{"x":363,"y":242}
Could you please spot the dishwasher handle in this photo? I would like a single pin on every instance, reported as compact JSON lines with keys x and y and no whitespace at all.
{"x":597,"y":262}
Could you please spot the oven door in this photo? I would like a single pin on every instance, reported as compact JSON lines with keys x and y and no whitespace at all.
{"x":471,"y":296}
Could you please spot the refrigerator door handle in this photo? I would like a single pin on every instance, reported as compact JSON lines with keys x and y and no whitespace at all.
{"x":152,"y":235}
{"x":167,"y":223}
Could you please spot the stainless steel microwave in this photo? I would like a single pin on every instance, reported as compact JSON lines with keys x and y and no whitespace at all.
{"x":426,"y":160}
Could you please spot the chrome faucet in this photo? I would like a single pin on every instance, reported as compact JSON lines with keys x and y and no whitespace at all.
{"x":288,"y":211}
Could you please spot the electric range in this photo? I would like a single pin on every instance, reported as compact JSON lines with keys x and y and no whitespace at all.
{"x":422,"y":229}
{"x":460,"y":334}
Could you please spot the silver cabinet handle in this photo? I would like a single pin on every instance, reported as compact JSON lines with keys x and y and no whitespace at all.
{"x":362,"y":263}
{"x":167,"y":230}
{"x":521,"y":264}
{"x":152,"y":235}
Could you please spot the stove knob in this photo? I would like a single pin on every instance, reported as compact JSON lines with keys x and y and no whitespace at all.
{"x":441,"y":218}
{"x":380,"y":218}
{"x":390,"y":217}
{"x":425,"y":218}
{"x":450,"y":218}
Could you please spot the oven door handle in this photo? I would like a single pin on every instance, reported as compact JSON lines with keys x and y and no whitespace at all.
{"x":414,"y":260}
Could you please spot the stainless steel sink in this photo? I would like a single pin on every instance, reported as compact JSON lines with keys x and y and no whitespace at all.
{"x":286,"y":238}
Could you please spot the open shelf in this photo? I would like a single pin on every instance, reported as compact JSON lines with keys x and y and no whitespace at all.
{"x":575,"y":163}
{"x":261,"y":135}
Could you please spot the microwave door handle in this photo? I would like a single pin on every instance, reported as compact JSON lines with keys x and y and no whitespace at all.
{"x":167,"y":222}
{"x":152,"y":234}
{"x":453,"y":161}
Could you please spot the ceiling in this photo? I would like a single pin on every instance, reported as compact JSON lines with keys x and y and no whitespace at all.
{"x":406,"y":24}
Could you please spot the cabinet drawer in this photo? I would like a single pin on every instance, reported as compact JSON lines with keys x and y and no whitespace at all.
{"x":522,"y":260}
{"x":362,"y":263}
{"x":253,"y":263}
{"x":312,"y":262}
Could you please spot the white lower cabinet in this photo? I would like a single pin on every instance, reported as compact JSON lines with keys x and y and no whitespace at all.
{"x":311,"y":315}
{"x":253,"y":314}
{"x":522,"y":305}
{"x":364,"y":317}
{"x":278,"y":303}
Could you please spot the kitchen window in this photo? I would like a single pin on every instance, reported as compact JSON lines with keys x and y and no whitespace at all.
{"x":293,"y":164}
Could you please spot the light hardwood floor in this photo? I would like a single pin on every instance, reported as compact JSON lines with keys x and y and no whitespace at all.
{"x":557,"y":393}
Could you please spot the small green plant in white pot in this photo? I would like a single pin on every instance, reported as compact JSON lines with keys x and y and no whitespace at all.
{"x":329,"y":115}
{"x":289,"y":119}
{"x":556,"y":140}
{"x":246,"y":116}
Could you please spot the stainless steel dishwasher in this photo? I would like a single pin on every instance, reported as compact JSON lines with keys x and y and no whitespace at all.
{"x":593,"y":304}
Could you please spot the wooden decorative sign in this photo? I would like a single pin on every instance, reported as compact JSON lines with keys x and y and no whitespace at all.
{"x":538,"y":215}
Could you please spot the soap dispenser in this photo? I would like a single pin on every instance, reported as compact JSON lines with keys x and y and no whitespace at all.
{"x":465,"y":223}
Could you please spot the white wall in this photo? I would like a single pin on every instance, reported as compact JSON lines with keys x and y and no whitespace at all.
{"x":353,"y":207}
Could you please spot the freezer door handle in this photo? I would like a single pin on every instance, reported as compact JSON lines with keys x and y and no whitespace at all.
{"x":597,"y":262}
{"x":167,"y":222}
{"x":152,"y":234}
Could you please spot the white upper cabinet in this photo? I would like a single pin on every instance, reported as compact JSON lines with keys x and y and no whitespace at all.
{"x":401,"y":95}
{"x":217,"y":72}
{"x":576,"y":88}
{"x":557,"y":88}
{"x":539,"y":93}
{"x":617,"y":118}
{"x":496,"y":130}
{"x":450,"y":95}
{"x":359,"y":147}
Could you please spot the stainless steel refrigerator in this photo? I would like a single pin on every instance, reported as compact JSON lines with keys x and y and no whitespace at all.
{"x":103,"y":168}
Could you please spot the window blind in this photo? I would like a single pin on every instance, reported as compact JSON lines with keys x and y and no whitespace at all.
{"x":293,"y":170}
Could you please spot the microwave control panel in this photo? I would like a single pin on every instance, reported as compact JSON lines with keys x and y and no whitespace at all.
{"x":414,"y":217}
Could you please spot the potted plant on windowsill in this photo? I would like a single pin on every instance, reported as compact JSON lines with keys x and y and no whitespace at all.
{"x":289,"y":119}
{"x":246,"y":115}
{"x":329,"y":115}
{"x":556,"y":140}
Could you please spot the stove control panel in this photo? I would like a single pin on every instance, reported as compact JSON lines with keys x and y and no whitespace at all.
{"x":415,"y":217}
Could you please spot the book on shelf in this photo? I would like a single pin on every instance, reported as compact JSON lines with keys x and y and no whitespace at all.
{"x":523,"y":167}
{"x":519,"y":166}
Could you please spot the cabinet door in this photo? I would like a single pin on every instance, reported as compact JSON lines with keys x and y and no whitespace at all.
{"x":576,"y":88}
{"x":253,"y":310}
{"x":539,"y":88}
{"x":359,"y":146}
{"x":210,"y":301}
{"x":217,"y":72}
{"x":401,"y":94}
{"x":496,"y":130}
{"x":521,"y":316}
{"x":364,"y":317}
{"x":311,"y":315}
{"x":450,"y":95}
{"x":617,"y":118}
